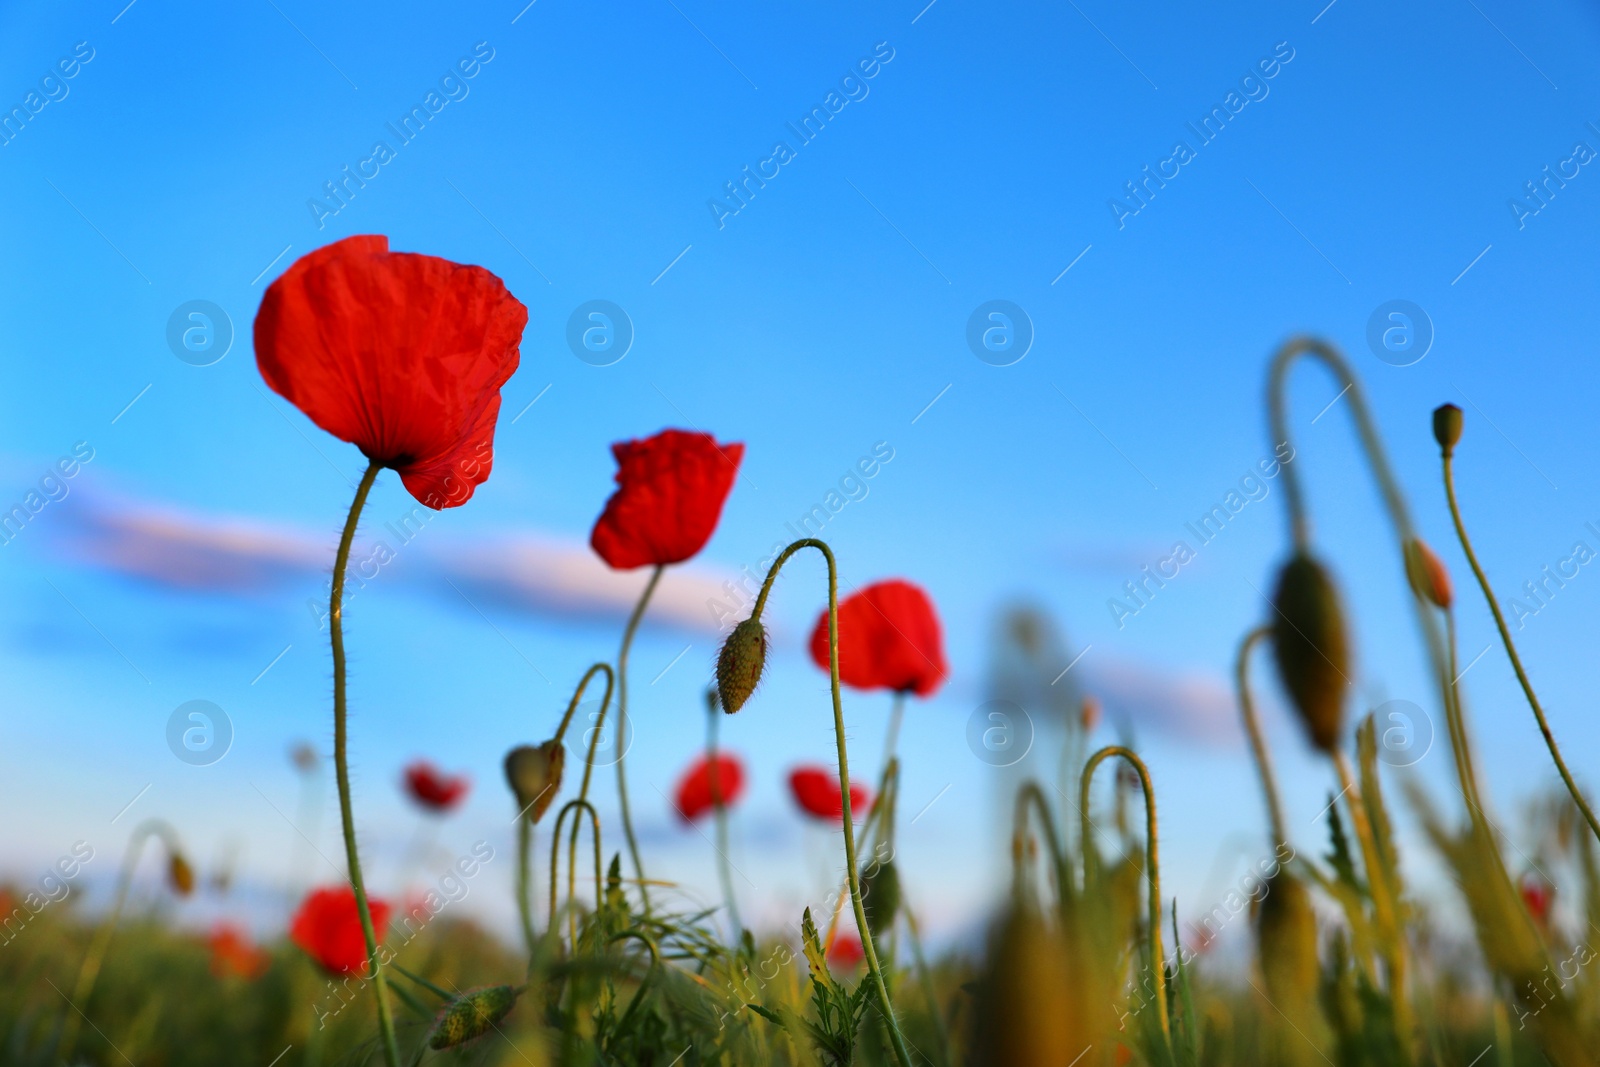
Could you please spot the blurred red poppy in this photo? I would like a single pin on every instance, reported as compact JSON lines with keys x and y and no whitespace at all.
{"x":233,"y":953}
{"x":695,"y":796}
{"x":816,"y":790}
{"x":328,"y":928}
{"x":670,"y":492}
{"x":1537,"y":896}
{"x":846,"y":952}
{"x":889,"y":638}
{"x":402,"y":355}
{"x":433,"y":789}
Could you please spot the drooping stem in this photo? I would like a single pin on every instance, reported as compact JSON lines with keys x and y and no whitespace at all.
{"x":89,"y":971}
{"x":1252,"y":726}
{"x":577,"y":695}
{"x":622,"y":728}
{"x":341,"y":764}
{"x":1152,"y":861}
{"x":1030,"y":792}
{"x":852,"y":873}
{"x":578,"y":807}
{"x":1511,"y":650}
{"x":720,"y":811}
{"x":1383,"y":899}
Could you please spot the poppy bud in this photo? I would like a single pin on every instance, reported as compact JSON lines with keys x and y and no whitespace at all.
{"x":180,"y":875}
{"x":880,"y":896}
{"x":1311,"y":648}
{"x":1089,"y":714}
{"x":1447,"y":427}
{"x":739,"y":665}
{"x":1427,"y":574}
{"x":1286,"y":932}
{"x":1029,"y":1010}
{"x":471,"y":1015}
{"x":534,"y":774}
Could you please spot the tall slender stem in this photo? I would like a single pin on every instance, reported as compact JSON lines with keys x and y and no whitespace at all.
{"x":720,"y":812}
{"x":622,"y":728}
{"x":1158,"y":959}
{"x":1252,"y":726}
{"x":1511,"y":650}
{"x":852,"y":873}
{"x":391,"y":1050}
{"x":525,"y":883}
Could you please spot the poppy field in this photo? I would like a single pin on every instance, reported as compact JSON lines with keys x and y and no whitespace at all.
{"x":498,"y":576}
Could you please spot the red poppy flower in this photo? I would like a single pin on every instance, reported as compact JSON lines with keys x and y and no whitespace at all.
{"x":888,"y":639}
{"x":816,"y":790}
{"x":695,"y":795}
{"x":400,"y":354}
{"x":233,"y":953}
{"x":846,"y":952}
{"x":1537,"y":895}
{"x":670,"y":492}
{"x":433,"y":789}
{"x":328,"y":928}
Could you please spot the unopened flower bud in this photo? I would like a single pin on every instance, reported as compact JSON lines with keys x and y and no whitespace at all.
{"x":180,"y":875}
{"x":739,"y":665}
{"x":1427,"y":574}
{"x":1030,"y":1009}
{"x":471,"y":1015}
{"x":1311,"y":648}
{"x":1089,"y":714}
{"x":1447,"y":426}
{"x":1286,"y":932}
{"x":880,"y":896}
{"x":534,"y":774}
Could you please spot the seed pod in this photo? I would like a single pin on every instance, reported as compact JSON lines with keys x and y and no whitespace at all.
{"x":180,"y":875}
{"x":880,"y":896}
{"x":534,"y":774}
{"x":1286,"y":939}
{"x":739,"y":665}
{"x":1427,"y":574}
{"x":1028,"y":1008}
{"x":1311,"y":648}
{"x":1447,"y":427}
{"x":471,"y":1015}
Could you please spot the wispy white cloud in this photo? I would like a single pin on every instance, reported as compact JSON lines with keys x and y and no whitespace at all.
{"x":1159,"y":702}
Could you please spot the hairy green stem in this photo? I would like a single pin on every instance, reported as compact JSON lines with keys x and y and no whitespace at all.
{"x":1030,"y":791}
{"x":525,"y":882}
{"x":1258,"y":743}
{"x":391,"y":1050}
{"x":622,"y":728}
{"x":1511,"y":650}
{"x":852,"y":874}
{"x":577,"y":806}
{"x":720,"y":813}
{"x":1152,"y":860}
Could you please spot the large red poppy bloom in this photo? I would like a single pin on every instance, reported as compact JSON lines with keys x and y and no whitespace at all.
{"x":670,"y":492}
{"x":816,"y":790}
{"x":696,"y":797}
{"x":889,"y":638}
{"x":328,"y":928}
{"x":433,"y":789}
{"x":400,"y":354}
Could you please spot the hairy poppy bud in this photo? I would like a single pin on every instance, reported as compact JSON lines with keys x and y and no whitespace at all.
{"x":1447,"y":426}
{"x":534,"y":774}
{"x":1312,"y":650}
{"x":880,"y":896}
{"x":180,"y":875}
{"x":1427,"y":574}
{"x":1286,"y":932}
{"x":739,"y":665}
{"x":471,"y":1015}
{"x":1029,"y":1008}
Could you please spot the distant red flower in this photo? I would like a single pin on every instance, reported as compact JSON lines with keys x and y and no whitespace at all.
{"x":233,"y":953}
{"x":846,"y":952}
{"x":695,"y":795}
{"x":328,"y":928}
{"x":402,"y":355}
{"x":889,"y":638}
{"x":1537,"y":896}
{"x":670,"y":492}
{"x":433,"y":789}
{"x":816,"y":790}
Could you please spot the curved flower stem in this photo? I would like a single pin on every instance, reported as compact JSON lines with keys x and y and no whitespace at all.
{"x":720,"y":811}
{"x":576,"y":806}
{"x":852,"y":874}
{"x":622,"y":727}
{"x":1030,"y":791}
{"x":391,"y":1050}
{"x":1383,"y":900}
{"x":1252,"y":726}
{"x":89,"y":972}
{"x":643,"y":938}
{"x":1511,"y":650}
{"x":577,"y":695}
{"x":1152,"y":859}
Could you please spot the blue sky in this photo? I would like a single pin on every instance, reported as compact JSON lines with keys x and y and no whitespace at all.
{"x":979,"y":162}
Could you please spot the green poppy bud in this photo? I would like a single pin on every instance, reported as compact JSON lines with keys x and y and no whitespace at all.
{"x":180,"y":875}
{"x":739,"y":665}
{"x":1447,"y":426}
{"x":1311,"y":648}
{"x":880,"y":896}
{"x":471,"y":1015}
{"x":1286,"y":937}
{"x":534,"y":774}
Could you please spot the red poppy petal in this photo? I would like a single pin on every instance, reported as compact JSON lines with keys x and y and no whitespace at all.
{"x":670,"y":491}
{"x":889,"y":638}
